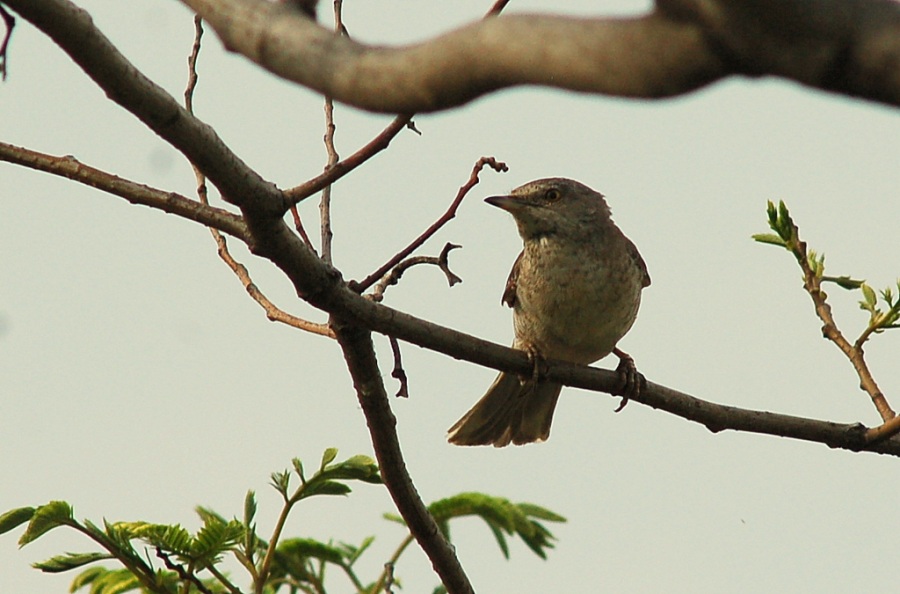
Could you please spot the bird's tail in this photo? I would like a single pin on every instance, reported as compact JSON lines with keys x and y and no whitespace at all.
{"x":512,"y":411}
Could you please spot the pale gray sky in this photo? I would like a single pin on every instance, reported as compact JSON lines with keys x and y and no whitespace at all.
{"x":137,"y":380}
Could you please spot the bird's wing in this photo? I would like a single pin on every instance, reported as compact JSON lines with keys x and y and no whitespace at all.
{"x":636,"y":256}
{"x":509,"y":292}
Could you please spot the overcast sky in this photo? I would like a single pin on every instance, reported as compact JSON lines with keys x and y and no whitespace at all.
{"x":137,"y":379}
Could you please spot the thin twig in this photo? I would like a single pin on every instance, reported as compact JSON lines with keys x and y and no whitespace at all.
{"x":388,"y":578}
{"x":884,"y":431}
{"x":325,"y":202}
{"x":387,"y":575}
{"x":273,"y":312}
{"x":393,"y":277}
{"x":192,"y":65}
{"x":223,"y":579}
{"x":326,"y":235}
{"x":367,"y":282}
{"x":295,"y":195}
{"x":182,"y":573}
{"x":298,"y":226}
{"x":397,"y":372}
{"x":812,"y":283}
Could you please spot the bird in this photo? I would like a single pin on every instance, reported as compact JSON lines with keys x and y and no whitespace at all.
{"x":575,"y":290}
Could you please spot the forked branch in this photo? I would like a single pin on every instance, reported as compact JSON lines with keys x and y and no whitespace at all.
{"x":813,"y":267}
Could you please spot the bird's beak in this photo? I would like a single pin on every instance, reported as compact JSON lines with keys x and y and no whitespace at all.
{"x":507,"y":203}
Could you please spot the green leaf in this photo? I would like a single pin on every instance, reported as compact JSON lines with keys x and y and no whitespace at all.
{"x":785,"y":223}
{"x":538,"y":540}
{"x":250,"y":538}
{"x":86,"y":577}
{"x":501,"y":516}
{"x":542,"y":513}
{"x":46,"y":518}
{"x":69,"y":561}
{"x":844,"y":282}
{"x":772,"y":214}
{"x":215,"y":538}
{"x":352,"y":553}
{"x":249,"y":508}
{"x":307,"y":547}
{"x":14,"y":518}
{"x":171,"y":538}
{"x":816,"y":263}
{"x":326,"y":488}
{"x":501,"y":540}
{"x":489,"y":508}
{"x":362,"y":468}
{"x":206,"y":514}
{"x":298,"y":468}
{"x":392,"y":517}
{"x":114,"y":581}
{"x":769,"y":238}
{"x":328,"y":457}
{"x":282,"y":481}
{"x":868,"y":296}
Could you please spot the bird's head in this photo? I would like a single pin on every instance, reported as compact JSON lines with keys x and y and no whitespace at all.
{"x":552,"y":206}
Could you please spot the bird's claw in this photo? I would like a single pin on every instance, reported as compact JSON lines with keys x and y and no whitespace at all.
{"x":633,"y":381}
{"x":538,"y":366}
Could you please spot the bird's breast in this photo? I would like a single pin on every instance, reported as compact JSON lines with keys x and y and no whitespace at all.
{"x":574,"y":302}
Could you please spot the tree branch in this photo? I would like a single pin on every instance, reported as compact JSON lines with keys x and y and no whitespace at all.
{"x":392,"y":277}
{"x":170,"y":202}
{"x":359,"y":353}
{"x":812,"y":284}
{"x":845,"y":46}
{"x":326,"y":233}
{"x":299,"y":193}
{"x":650,"y":56}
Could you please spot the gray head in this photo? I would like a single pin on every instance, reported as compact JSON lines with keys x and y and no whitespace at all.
{"x":554,"y":205}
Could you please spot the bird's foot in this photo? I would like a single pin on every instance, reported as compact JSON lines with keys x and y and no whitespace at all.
{"x":633,"y":381}
{"x":539,"y":366}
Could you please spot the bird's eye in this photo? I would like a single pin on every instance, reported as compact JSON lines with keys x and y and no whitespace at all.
{"x":552,"y":195}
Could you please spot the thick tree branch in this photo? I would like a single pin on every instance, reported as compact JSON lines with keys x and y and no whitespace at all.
{"x":170,"y":202}
{"x":846,"y":46}
{"x":650,"y":56}
{"x":359,"y":353}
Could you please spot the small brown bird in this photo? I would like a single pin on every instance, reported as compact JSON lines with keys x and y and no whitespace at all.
{"x":574,"y":290}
